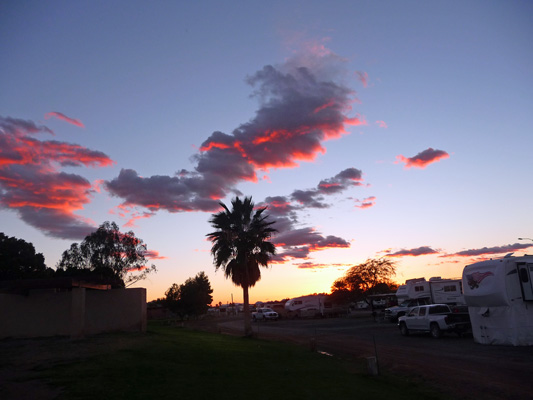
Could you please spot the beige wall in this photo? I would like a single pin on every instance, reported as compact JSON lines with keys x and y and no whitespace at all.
{"x":74,"y":313}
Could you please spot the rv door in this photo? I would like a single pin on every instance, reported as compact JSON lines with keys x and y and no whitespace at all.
{"x":525,"y":274}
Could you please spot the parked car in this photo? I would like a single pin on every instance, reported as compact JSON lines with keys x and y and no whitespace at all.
{"x":393,"y":313}
{"x":435,"y":319}
{"x":264,"y":314}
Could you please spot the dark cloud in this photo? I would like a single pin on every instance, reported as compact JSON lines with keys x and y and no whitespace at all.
{"x":424,"y":158}
{"x":20,"y":127}
{"x":61,"y":224}
{"x":419,"y":251}
{"x":295,"y":242}
{"x":32,"y":184}
{"x":314,"y":198}
{"x":298,"y":243}
{"x":189,"y":192}
{"x":485,"y":251}
{"x":300,"y":106}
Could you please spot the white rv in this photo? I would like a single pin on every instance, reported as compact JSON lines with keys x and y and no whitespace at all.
{"x":418,"y":291}
{"x":436,"y":290}
{"x":315,"y":305}
{"x":302,"y":305}
{"x":499,"y":295}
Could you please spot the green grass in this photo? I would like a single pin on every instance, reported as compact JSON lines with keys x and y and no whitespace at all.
{"x":176,"y":363}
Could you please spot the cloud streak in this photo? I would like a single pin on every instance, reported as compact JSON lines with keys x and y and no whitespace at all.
{"x":423,"y":159}
{"x":32,"y":184}
{"x":487,"y":251}
{"x":419,"y":251}
{"x":63,"y":117}
{"x":366,"y":202}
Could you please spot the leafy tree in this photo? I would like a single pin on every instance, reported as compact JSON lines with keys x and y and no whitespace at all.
{"x":241,"y":245}
{"x":191,"y":298}
{"x":18,"y":260}
{"x":107,"y":253}
{"x":374,"y":276}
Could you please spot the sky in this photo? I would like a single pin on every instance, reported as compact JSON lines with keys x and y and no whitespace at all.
{"x":369,"y":129}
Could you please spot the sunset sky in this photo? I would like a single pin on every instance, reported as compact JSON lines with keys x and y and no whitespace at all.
{"x":370,"y":129}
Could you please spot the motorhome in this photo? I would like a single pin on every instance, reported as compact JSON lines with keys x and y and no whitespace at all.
{"x":437,"y":290}
{"x":299,"y":305}
{"x":499,"y":295}
{"x":316,"y":305}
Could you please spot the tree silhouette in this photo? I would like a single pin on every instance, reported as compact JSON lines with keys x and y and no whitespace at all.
{"x":18,"y":260}
{"x":191,"y":298}
{"x":107,"y":253}
{"x":241,"y":245}
{"x":374,"y":276}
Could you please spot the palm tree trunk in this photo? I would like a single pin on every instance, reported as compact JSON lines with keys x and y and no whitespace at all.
{"x":246,"y":310}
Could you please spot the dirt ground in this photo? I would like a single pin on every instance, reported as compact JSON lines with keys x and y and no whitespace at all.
{"x":455,"y":366}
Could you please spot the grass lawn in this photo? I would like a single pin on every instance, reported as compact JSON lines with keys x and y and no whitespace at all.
{"x":177,"y":363}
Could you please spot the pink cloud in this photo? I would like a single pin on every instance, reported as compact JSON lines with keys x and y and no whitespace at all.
{"x":153,"y":255}
{"x":382,"y":124}
{"x":424,"y":158}
{"x":366,"y":203}
{"x":301,"y":105}
{"x":33,"y":185}
{"x":63,"y":117}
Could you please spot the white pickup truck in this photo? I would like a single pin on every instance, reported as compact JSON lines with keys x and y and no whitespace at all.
{"x":435,"y":319}
{"x":264,"y":314}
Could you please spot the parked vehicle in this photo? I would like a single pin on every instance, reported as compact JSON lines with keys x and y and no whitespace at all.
{"x":499,"y":295}
{"x":393,"y":313}
{"x":435,"y":319}
{"x":437,"y":290}
{"x":265,"y":314}
{"x":418,"y":291}
{"x":305,"y":302}
{"x":317,"y":305}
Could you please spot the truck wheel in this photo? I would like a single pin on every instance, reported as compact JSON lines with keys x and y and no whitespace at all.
{"x":403,"y":329}
{"x":435,"y":330}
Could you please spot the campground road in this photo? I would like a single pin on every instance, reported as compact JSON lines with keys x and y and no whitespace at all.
{"x":454,"y":365}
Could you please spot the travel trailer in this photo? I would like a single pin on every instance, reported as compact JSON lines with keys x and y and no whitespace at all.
{"x":418,"y":291}
{"x":316,"y":305}
{"x":304,"y":303}
{"x":499,"y":295}
{"x":436,"y":290}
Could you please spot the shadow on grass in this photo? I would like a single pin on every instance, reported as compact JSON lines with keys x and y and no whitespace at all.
{"x":171,"y":363}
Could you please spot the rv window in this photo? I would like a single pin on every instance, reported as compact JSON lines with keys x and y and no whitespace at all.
{"x":419,"y":288}
{"x":524,"y":275}
{"x":450,"y":289}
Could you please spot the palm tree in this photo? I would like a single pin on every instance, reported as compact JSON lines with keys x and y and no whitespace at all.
{"x":240,"y":246}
